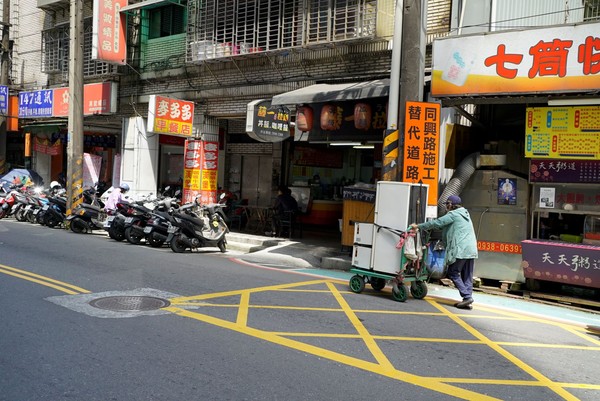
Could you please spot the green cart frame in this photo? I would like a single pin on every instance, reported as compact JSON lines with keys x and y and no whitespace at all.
{"x":411,"y":271}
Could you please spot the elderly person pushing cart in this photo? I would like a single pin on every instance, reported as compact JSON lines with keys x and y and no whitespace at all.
{"x":461,"y":247}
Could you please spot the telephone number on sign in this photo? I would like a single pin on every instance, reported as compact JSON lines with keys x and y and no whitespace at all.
{"x":498,"y":247}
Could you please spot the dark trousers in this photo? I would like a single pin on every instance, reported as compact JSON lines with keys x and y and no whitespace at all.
{"x":461,"y":274}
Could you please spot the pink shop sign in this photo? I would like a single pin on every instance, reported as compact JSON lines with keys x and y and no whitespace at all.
{"x":561,"y":262}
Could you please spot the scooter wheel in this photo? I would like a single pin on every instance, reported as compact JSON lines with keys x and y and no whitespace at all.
{"x":78,"y":226}
{"x":133,"y":237}
{"x":155,"y":242}
{"x":222,"y":246}
{"x":116,"y":234}
{"x":52,"y":221}
{"x":177,"y":245}
{"x":20,"y":215}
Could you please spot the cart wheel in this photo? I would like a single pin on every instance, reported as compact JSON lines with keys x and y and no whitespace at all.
{"x":377,"y":283}
{"x":399,"y":292}
{"x":357,"y":284}
{"x":418,"y":289}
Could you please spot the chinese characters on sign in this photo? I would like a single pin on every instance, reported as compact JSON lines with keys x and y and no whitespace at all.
{"x":561,"y":262}
{"x":108,"y":31}
{"x":267,"y":123}
{"x":35,"y":104}
{"x":3,"y":100}
{"x":98,"y":98}
{"x":566,"y":57}
{"x":421,"y":146}
{"x":563,"y":132}
{"x":170,"y":116}
{"x":564,"y":171}
{"x":200,"y":171}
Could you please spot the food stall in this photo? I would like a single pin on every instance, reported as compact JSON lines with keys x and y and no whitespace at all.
{"x":564,"y":244}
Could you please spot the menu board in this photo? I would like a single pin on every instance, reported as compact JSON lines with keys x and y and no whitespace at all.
{"x":563,"y":132}
{"x":564,"y":171}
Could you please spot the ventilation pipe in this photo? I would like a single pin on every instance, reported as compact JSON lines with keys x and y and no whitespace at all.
{"x":459,"y":179}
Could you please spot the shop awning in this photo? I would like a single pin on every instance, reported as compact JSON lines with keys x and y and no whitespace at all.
{"x":148,"y":4}
{"x":320,"y":93}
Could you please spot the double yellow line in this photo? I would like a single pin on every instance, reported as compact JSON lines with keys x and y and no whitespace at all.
{"x":46,"y":281}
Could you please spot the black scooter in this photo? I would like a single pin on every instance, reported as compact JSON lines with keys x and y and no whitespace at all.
{"x":196,"y":230}
{"x":88,"y":216}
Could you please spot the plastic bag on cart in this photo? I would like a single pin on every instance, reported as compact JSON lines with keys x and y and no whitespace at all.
{"x":412,"y":246}
{"x":436,"y":260}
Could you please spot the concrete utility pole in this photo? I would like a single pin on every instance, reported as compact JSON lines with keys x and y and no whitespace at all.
{"x":75,"y":126}
{"x":4,"y":77}
{"x":406,"y":79}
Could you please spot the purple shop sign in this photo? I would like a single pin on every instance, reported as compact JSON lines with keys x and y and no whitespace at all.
{"x":564,"y":171}
{"x":562,"y":262}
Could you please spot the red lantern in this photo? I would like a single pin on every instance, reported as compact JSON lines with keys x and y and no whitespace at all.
{"x":330,"y":121}
{"x":362,"y":116}
{"x":304,"y":118}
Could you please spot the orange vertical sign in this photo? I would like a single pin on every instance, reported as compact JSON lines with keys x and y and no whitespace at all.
{"x":108,"y":31}
{"x":422,"y":146}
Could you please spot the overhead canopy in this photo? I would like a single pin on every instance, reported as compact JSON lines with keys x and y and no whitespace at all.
{"x":320,"y":93}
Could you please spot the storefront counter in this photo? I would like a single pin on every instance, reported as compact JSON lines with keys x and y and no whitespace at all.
{"x":562,"y":262}
{"x":324,"y":213}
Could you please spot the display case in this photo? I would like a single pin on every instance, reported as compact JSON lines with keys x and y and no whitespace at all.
{"x":562,"y":210}
{"x":591,"y":230}
{"x":565,"y":235}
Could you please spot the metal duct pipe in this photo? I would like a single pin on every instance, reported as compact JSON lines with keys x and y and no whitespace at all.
{"x":459,"y":179}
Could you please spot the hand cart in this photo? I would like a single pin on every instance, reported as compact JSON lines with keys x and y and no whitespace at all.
{"x":410,"y":271}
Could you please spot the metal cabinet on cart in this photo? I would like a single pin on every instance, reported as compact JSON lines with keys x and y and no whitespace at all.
{"x":397,"y":205}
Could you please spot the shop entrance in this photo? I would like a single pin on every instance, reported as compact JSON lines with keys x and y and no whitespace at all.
{"x":256,"y":179}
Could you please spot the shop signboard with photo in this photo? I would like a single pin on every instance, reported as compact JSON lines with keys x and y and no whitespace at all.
{"x":540,"y":60}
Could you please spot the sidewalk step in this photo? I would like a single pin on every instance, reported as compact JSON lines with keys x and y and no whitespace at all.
{"x":336,"y":263}
{"x":249,"y":243}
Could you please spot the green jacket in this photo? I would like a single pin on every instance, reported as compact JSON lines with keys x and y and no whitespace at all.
{"x":458,"y":234}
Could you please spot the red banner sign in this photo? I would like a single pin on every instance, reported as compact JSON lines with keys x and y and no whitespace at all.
{"x":200,"y":171}
{"x":108,"y":31}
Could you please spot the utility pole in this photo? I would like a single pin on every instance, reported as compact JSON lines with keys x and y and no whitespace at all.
{"x":390,"y":140}
{"x":75,"y":126}
{"x":406,"y":79}
{"x":4,"y":77}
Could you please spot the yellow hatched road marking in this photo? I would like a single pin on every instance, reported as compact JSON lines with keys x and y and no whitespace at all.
{"x":383,"y":365}
{"x":361,"y":329}
{"x":544,"y":381}
{"x":425,"y":382}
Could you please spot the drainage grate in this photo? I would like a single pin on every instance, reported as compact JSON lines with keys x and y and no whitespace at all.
{"x":129,"y":303}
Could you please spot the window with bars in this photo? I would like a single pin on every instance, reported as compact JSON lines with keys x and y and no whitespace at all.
{"x":220,"y":28}
{"x":592,"y":10}
{"x":55,"y":53}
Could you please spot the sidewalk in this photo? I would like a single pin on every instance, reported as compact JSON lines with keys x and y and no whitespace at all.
{"x":322,"y":255}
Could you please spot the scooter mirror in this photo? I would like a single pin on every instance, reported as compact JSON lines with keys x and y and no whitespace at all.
{"x":222,"y":196}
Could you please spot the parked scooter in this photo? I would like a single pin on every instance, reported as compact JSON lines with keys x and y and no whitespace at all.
{"x":142,"y":224}
{"x":115,"y":222}
{"x":89,"y":215}
{"x":191,"y":230}
{"x":7,"y":202}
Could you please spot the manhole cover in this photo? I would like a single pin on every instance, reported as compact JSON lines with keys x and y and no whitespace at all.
{"x":130,"y":303}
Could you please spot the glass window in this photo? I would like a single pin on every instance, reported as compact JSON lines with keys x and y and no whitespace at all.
{"x":166,"y":21}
